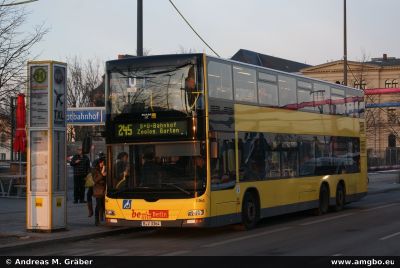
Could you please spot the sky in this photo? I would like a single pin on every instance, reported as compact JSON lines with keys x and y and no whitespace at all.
{"x":307,"y":31}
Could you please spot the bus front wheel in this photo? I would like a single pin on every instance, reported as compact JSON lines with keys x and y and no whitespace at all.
{"x":250,"y":211}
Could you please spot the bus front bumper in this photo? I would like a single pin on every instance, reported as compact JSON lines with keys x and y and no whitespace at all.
{"x":189,"y":223}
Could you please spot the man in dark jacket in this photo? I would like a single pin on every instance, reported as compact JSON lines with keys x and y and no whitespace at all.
{"x":81,"y":165}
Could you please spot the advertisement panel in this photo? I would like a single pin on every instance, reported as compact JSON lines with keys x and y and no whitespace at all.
{"x":59,"y":101}
{"x":39,"y":161}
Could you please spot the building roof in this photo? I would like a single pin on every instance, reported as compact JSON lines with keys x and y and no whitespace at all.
{"x":337,"y":66}
{"x":385,"y":61}
{"x":263,"y":60}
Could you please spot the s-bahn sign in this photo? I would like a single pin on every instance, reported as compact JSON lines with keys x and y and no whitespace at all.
{"x":86,"y":116}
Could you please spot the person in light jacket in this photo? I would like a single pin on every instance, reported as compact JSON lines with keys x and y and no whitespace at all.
{"x":99,"y":189}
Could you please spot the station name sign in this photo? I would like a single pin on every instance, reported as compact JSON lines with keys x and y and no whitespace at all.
{"x":148,"y":129}
{"x":86,"y":116}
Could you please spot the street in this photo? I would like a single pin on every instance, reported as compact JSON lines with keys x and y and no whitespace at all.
{"x":370,"y":227}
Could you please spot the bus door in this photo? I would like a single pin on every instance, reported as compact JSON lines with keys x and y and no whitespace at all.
{"x":224,"y":207}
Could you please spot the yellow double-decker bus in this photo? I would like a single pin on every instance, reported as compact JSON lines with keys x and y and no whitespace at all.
{"x":198,"y":141}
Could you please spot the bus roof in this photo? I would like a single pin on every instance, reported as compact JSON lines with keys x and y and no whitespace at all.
{"x":161,"y":59}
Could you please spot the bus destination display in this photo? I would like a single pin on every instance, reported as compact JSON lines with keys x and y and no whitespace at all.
{"x":171,"y":128}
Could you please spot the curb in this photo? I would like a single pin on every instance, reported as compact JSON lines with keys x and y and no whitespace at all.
{"x":19,"y":245}
{"x":379,"y":191}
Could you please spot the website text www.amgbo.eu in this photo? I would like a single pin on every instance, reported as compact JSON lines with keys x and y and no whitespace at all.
{"x":363,"y":262}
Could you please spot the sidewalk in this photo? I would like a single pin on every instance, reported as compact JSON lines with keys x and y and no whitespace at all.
{"x":13,"y":232}
{"x":384,"y":181}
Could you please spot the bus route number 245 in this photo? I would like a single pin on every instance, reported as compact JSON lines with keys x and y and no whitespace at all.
{"x":125,"y":130}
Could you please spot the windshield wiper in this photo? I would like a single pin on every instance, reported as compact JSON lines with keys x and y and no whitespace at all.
{"x":177,"y":187}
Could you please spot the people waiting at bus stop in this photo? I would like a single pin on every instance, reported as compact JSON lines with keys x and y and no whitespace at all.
{"x":99,"y":189}
{"x":81,"y":165}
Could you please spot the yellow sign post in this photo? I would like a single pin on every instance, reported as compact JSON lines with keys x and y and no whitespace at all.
{"x":46,"y":174}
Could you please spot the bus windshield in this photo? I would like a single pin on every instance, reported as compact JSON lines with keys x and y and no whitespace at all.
{"x":161,"y":170}
{"x":153,"y":89}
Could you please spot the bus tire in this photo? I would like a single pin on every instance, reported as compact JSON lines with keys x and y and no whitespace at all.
{"x":250,"y":211}
{"x":323,"y":205}
{"x":340,"y":197}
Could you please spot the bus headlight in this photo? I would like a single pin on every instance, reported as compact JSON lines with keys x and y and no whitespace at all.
{"x":110,"y":212}
{"x":196,"y":212}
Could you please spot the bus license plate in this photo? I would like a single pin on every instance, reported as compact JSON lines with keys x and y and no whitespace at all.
{"x":151,"y":223}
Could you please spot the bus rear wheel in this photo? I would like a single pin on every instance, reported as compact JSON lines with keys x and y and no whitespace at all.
{"x":323,"y":200}
{"x":340,"y":197}
{"x":250,"y":211}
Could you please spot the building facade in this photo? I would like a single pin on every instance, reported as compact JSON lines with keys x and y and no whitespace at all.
{"x":382,"y":105}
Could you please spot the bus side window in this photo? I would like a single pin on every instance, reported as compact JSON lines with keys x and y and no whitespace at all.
{"x":253,"y":161}
{"x":220,"y":80}
{"x":287,"y":91}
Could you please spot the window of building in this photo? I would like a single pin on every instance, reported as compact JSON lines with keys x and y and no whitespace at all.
{"x":220,"y":80}
{"x":389,"y":83}
{"x":360,"y":84}
{"x":363,"y":84}
{"x":244,"y":80}
{"x":3,"y":138}
{"x":392,"y":141}
{"x":2,"y":156}
{"x":391,"y":116}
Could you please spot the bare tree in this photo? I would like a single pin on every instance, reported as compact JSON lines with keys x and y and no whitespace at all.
{"x":183,"y":50}
{"x":146,"y":52}
{"x":15,"y":51}
{"x":360,"y":72}
{"x":84,"y":84}
{"x":83,"y":78}
{"x":15,"y":48}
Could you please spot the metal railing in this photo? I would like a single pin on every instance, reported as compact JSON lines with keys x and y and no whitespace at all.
{"x":384,"y":159}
